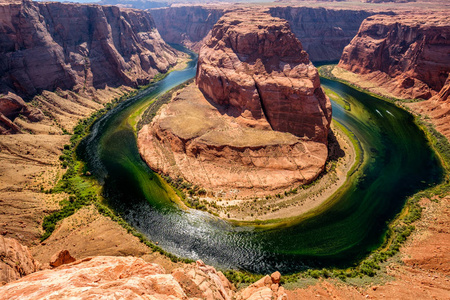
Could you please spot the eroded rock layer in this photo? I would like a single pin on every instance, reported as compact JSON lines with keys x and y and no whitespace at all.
{"x":44,"y":46}
{"x":258,"y":121}
{"x":186,"y":25}
{"x":15,"y":260}
{"x":323,"y":32}
{"x":109,"y":277}
{"x":408,"y":54}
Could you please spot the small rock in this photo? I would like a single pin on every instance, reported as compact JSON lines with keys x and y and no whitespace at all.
{"x":61,"y":258}
{"x":276,"y":276}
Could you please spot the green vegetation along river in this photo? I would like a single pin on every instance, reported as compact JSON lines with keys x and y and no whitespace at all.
{"x":397,"y":163}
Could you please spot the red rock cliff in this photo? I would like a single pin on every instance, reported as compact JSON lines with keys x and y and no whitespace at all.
{"x":186,"y":25}
{"x":408,"y":54}
{"x":44,"y":46}
{"x":256,"y":66}
{"x":324,"y":32}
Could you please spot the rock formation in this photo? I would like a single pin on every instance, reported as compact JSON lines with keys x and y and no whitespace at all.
{"x":61,"y":258}
{"x":258,"y":121}
{"x":15,"y":261}
{"x":256,"y":66}
{"x":44,"y":46}
{"x":323,"y":32}
{"x":408,"y":54}
{"x":133,"y":278}
{"x":12,"y":106}
{"x":437,"y":108}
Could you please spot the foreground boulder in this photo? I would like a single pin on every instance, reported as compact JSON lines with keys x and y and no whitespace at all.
{"x":133,"y":278}
{"x":15,"y":260}
{"x":258,"y":121}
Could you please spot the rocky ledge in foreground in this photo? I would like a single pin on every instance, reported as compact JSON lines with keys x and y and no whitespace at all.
{"x":133,"y":278}
{"x":258,"y":120}
{"x":407,"y":55}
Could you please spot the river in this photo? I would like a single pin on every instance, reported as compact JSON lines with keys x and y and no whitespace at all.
{"x":397,"y":163}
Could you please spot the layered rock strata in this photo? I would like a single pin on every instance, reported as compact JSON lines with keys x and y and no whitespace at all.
{"x":437,"y":108}
{"x":44,"y":46}
{"x":408,"y":54}
{"x":258,"y":121}
{"x":133,"y":278}
{"x":186,"y":25}
{"x":257,"y":68}
{"x":323,"y":32}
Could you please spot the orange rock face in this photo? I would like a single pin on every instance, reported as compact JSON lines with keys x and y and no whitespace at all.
{"x":438,"y":109}
{"x":15,"y":260}
{"x":133,"y":278}
{"x":255,"y":65}
{"x":258,"y":121}
{"x":408,"y":54}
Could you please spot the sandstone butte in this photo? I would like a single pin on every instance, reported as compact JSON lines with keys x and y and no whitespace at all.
{"x":407,"y":54}
{"x":258,"y":120}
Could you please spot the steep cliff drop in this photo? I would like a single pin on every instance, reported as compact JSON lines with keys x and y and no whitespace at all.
{"x":258,"y":121}
{"x":324,"y":32}
{"x":189,"y":26}
{"x":406,"y":56}
{"x":71,"y":46}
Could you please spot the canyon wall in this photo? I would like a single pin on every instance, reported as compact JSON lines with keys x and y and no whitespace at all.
{"x":408,"y":54}
{"x":323,"y":32}
{"x":44,"y":46}
{"x":186,"y":25}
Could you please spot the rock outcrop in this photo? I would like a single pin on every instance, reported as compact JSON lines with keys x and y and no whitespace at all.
{"x":323,"y":32}
{"x":15,"y":261}
{"x":61,"y":258}
{"x":437,"y":108}
{"x":254,"y":65}
{"x":258,"y":121}
{"x":44,"y":46}
{"x":186,"y":25}
{"x":408,"y":54}
{"x":12,"y":106}
{"x":133,"y":278}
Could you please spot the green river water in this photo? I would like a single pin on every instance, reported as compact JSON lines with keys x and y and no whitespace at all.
{"x":397,"y":163}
